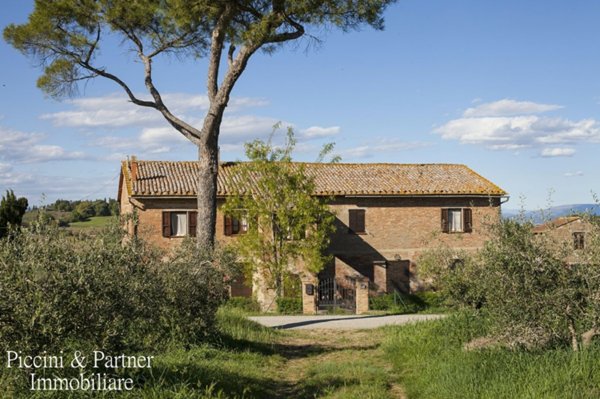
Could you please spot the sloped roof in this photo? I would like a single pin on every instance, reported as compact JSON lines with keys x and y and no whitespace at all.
{"x":555,"y":223}
{"x":165,"y":178}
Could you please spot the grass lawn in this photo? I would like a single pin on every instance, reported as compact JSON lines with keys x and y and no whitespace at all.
{"x":425,"y":360}
{"x":252,"y":361}
{"x":94,"y":222}
{"x":432,"y":364}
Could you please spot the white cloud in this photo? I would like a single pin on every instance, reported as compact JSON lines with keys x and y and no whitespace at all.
{"x":8,"y":177}
{"x":235,"y":130}
{"x":507,"y":107}
{"x":242,"y":127}
{"x":573,"y":174}
{"x":484,"y":125}
{"x":319,"y":131}
{"x":116,"y":111}
{"x":21,"y":147}
{"x":557,"y":152}
{"x":377,"y":147}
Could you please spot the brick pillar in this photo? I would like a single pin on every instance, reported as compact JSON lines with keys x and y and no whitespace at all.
{"x":264,"y":295}
{"x":362,"y":295}
{"x":380,"y":277}
{"x":309,"y":296}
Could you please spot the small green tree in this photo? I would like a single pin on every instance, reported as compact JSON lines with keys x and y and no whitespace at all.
{"x":11,"y":211}
{"x":452,"y":272}
{"x":101,"y":208}
{"x":528,"y":284}
{"x":83,"y":211}
{"x":287,"y":226}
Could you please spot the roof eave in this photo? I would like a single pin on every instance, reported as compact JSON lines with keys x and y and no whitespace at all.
{"x":349,"y":195}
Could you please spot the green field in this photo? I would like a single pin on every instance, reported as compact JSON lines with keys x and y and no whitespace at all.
{"x":95,"y":221}
{"x":424,"y":360}
{"x":432,"y":363}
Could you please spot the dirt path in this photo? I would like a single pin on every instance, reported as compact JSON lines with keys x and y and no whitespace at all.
{"x":335,"y":364}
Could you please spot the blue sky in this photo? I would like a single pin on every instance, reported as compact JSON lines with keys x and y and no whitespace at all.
{"x":511,"y":88}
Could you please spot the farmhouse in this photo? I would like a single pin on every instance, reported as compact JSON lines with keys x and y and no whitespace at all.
{"x":574,"y":231}
{"x":386,"y":214}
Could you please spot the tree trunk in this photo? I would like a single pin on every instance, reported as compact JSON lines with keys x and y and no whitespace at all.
{"x":572,"y":330}
{"x":586,"y":337}
{"x":208,"y":166}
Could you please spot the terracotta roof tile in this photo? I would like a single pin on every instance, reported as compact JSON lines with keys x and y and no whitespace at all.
{"x":555,"y":223}
{"x":164,"y":178}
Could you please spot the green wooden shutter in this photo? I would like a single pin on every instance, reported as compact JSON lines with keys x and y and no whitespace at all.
{"x":166,"y":224}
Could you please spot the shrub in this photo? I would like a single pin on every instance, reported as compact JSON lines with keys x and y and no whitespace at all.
{"x":289,"y":305}
{"x":454,"y":275}
{"x":64,"y":291}
{"x":243,"y":303}
{"x":195,"y":284}
{"x":398,"y":302}
{"x":533,"y":295}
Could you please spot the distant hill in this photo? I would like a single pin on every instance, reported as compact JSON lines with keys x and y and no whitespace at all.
{"x":553,"y":212}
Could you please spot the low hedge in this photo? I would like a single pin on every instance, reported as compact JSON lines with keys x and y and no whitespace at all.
{"x":289,"y":305}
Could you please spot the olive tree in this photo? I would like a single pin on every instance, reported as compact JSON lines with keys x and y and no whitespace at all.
{"x":65,"y":36}
{"x":536,"y":288}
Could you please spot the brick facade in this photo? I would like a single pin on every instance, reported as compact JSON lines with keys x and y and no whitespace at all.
{"x":397,"y":213}
{"x":562,"y":231}
{"x":397,"y":230}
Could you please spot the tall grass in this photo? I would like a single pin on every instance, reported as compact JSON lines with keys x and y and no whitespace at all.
{"x":432,"y":364}
{"x":241,"y":364}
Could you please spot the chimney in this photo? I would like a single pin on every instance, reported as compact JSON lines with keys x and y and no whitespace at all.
{"x":134,"y":167}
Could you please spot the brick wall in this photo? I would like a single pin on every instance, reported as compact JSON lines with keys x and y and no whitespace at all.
{"x":563,"y":235}
{"x":397,"y":231}
{"x":150,"y":220}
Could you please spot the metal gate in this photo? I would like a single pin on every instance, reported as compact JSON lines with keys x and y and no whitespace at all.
{"x":336,"y":294}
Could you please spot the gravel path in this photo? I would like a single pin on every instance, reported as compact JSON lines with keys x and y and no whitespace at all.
{"x":351,"y":322}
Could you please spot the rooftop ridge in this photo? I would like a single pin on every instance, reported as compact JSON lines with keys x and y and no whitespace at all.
{"x":177,"y":178}
{"x":317,"y":163}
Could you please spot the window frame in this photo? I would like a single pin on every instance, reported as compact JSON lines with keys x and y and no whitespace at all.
{"x":578,"y":240}
{"x":230,"y":221}
{"x":353,"y":228}
{"x":466,"y":217}
{"x":191,"y":222}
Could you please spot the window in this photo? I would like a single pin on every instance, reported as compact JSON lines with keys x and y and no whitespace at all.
{"x":457,"y":220}
{"x":234,"y":226}
{"x":356,"y":221}
{"x":179,"y":223}
{"x":578,"y":240}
